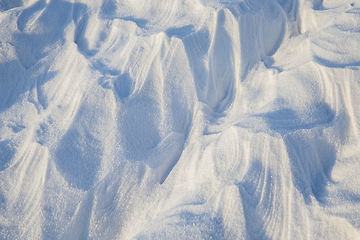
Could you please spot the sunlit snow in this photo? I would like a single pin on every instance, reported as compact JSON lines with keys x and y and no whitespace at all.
{"x":180,"y":119}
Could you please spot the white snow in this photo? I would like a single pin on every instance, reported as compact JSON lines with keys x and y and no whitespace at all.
{"x":181,"y":119}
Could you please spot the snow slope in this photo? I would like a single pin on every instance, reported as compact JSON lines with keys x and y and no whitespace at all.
{"x":181,"y":119}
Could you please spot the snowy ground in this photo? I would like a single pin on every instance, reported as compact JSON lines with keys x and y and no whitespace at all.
{"x":179,"y":119}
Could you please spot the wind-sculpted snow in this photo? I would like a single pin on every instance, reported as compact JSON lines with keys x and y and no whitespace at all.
{"x":179,"y":119}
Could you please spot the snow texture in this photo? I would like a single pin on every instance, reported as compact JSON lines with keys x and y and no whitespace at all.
{"x":181,"y":119}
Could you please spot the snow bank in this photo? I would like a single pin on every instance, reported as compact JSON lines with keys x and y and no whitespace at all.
{"x":179,"y":119}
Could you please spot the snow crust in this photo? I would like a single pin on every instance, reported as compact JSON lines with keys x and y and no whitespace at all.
{"x":181,"y":119}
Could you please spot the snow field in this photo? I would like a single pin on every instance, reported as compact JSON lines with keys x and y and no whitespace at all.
{"x":179,"y":119}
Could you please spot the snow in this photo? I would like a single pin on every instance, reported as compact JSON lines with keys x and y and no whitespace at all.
{"x":182,"y":119}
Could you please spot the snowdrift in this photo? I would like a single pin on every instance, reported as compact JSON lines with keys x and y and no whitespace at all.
{"x":182,"y":119}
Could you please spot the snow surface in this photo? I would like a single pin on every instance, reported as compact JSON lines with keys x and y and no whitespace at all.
{"x":179,"y":119}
